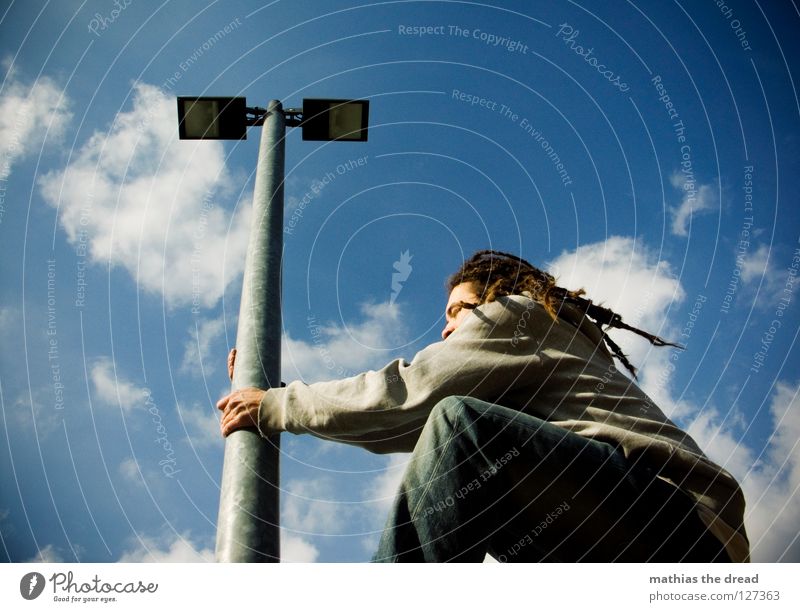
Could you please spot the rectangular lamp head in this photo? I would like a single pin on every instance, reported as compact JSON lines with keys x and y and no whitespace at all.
{"x":335,"y":119}
{"x":209,"y":118}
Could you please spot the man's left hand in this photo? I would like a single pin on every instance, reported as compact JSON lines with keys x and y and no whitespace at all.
{"x":240,"y":409}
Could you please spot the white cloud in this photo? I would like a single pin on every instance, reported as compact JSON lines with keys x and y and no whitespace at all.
{"x":624,"y":275}
{"x":170,"y":548}
{"x":627,"y":277}
{"x":380,"y":494}
{"x":311,"y":506}
{"x":9,"y":319}
{"x":301,"y":192}
{"x":198,"y":358}
{"x":48,"y":554}
{"x":129,"y":470}
{"x":297,"y":550}
{"x":755,"y":264}
{"x":179,"y":548}
{"x":308,"y":506}
{"x":201,"y":423}
{"x":772,"y":487}
{"x":202,"y":426}
{"x":152,"y":204}
{"x":383,"y":488}
{"x":337,"y":351}
{"x":112,"y":389}
{"x":770,"y":479}
{"x":696,"y":199}
{"x":766,"y":282}
{"x":292,"y":186}
{"x":719,"y":439}
{"x":31,"y":114}
{"x":37,"y":412}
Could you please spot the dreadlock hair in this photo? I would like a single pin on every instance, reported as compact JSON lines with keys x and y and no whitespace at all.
{"x":497,"y":274}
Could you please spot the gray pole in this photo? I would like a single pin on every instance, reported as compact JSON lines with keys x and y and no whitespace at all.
{"x":248,"y":524}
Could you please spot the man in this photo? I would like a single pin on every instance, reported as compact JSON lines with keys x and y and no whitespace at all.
{"x":527,"y":442}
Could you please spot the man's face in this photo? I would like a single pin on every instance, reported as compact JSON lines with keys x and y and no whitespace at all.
{"x":455,"y":313}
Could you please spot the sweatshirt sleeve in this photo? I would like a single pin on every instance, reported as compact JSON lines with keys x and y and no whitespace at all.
{"x":385,"y":410}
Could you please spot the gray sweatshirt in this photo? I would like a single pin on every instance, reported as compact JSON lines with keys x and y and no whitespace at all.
{"x":511,"y":352}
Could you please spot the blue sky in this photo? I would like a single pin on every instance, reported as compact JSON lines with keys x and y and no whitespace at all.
{"x":647,"y":151}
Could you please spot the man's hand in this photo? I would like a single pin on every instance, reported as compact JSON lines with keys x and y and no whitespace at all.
{"x":240,"y":409}
{"x":231,"y":361}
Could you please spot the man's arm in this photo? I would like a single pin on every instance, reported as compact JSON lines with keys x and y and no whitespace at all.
{"x":384,"y":410}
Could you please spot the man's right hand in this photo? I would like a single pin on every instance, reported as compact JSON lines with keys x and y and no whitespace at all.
{"x":240,"y":409}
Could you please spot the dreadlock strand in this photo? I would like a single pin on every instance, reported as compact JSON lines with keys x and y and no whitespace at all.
{"x":617,"y":352}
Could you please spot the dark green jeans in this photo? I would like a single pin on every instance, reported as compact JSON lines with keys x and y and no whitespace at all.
{"x":485,"y":478}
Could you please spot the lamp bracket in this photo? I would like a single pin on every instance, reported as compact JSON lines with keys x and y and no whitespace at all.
{"x":294,"y":116}
{"x":256,"y":116}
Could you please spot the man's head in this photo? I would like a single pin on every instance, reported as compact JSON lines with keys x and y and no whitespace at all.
{"x":488,"y":275}
{"x":463,"y":297}
{"x":495,"y":274}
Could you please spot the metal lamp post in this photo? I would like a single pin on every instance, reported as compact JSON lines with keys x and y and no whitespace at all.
{"x":248,"y":525}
